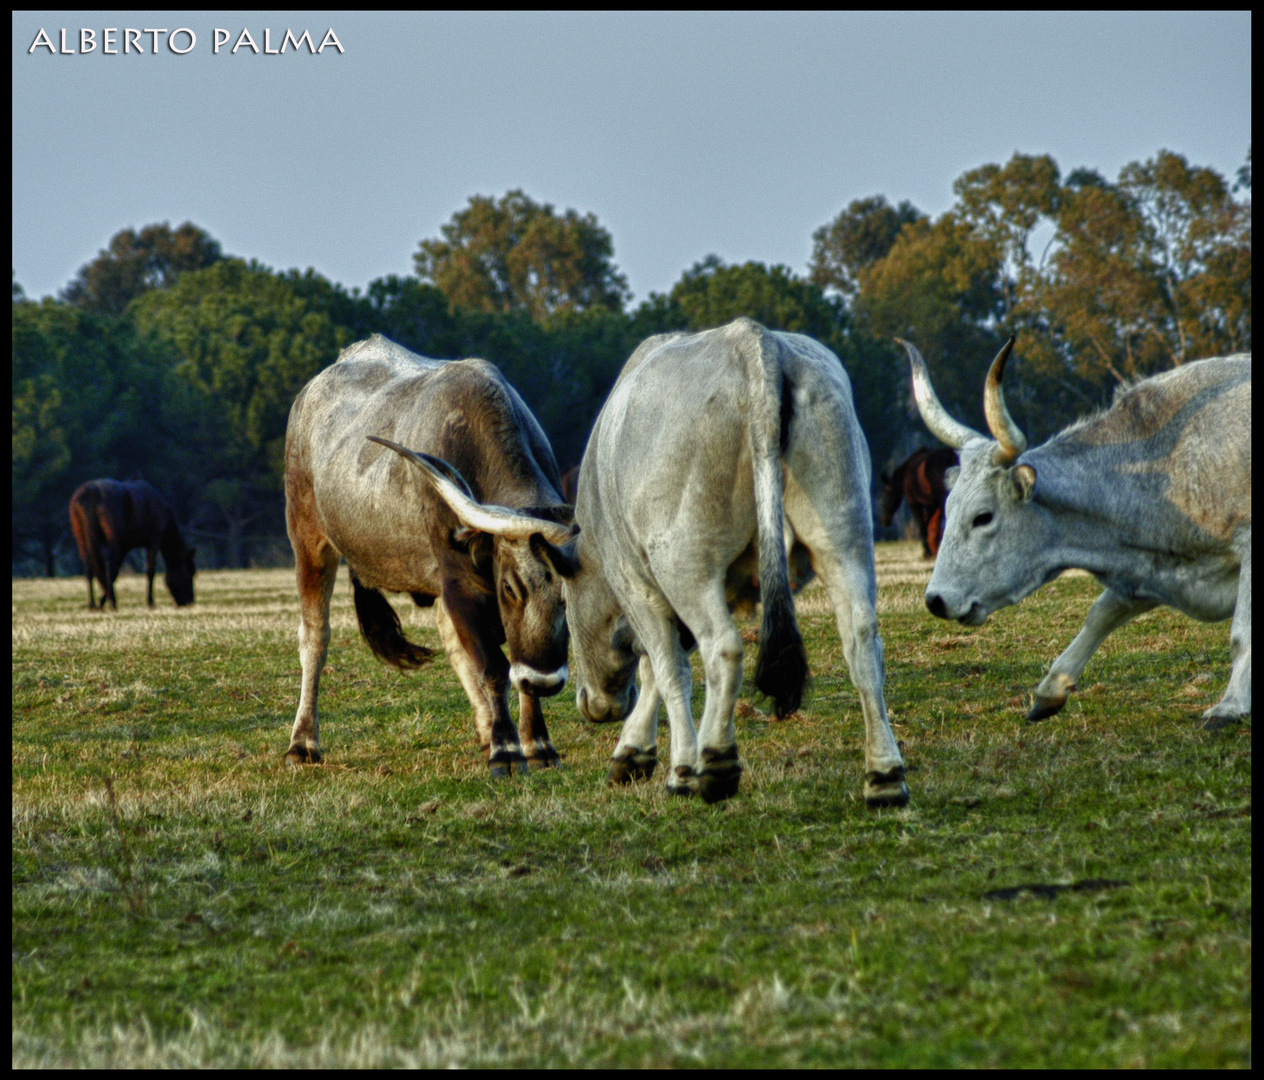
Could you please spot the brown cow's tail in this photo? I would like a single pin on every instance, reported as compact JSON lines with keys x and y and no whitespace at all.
{"x":383,"y":632}
{"x":781,"y":671}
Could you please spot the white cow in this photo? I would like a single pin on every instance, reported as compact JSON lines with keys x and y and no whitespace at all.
{"x":1153,"y":497}
{"x":715,"y":454}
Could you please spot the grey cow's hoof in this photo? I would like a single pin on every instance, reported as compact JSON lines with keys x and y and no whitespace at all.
{"x":886,"y":789}
{"x":632,"y":765}
{"x":721,"y":773}
{"x":1043,"y":708}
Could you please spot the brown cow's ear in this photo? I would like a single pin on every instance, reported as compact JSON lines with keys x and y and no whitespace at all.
{"x":480,"y":548}
{"x":561,"y":559}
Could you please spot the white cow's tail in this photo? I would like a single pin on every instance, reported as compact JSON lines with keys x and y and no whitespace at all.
{"x":782,"y":668}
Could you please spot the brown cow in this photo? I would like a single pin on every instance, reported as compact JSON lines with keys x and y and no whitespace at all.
{"x":431,"y":478}
{"x":110,"y":518}
{"x":920,"y":480}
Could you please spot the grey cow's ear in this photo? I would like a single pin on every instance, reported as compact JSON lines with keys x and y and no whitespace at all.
{"x":1024,"y":482}
{"x":950,"y":475}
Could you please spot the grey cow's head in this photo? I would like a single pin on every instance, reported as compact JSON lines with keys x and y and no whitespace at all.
{"x":994,"y":533}
{"x":605,"y":656}
{"x":529,"y":556}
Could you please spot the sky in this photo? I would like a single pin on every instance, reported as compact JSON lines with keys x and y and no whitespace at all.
{"x":737,"y":134}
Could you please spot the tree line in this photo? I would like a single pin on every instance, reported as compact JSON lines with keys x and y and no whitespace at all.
{"x":167,"y":359}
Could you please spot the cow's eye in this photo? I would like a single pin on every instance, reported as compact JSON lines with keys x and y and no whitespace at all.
{"x":983,"y":519}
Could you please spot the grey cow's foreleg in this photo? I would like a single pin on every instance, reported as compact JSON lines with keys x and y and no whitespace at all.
{"x":1236,"y":701}
{"x":1109,"y":612}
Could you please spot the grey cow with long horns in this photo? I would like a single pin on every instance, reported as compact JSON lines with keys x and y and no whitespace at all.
{"x":431,"y":478}
{"x":724,"y":467}
{"x":1152,"y":496}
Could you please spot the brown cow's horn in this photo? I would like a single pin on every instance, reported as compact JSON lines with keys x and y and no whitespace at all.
{"x":941,"y":425}
{"x":1012,"y":441}
{"x":485,"y":517}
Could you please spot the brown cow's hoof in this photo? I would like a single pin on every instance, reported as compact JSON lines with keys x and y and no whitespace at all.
{"x":302,"y":755}
{"x":721,"y":773}
{"x":541,"y":755}
{"x":506,"y":759}
{"x":632,"y":765}
{"x":886,"y":789}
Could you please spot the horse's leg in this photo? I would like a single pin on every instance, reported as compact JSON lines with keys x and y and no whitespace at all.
{"x":151,"y":566}
{"x":112,"y":561}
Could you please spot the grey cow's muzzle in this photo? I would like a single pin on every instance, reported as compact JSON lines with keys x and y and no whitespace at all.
{"x":603,"y":709}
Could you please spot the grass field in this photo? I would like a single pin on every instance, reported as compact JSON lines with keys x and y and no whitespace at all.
{"x":1071,"y":893}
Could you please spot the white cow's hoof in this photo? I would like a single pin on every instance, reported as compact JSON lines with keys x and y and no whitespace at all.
{"x":886,"y":789}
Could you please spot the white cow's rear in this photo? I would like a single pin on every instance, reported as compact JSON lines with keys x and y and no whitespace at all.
{"x":715,"y":454}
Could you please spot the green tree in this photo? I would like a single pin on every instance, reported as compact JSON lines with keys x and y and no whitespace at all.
{"x":135,"y":262}
{"x":711,"y":294}
{"x":514,"y":254}
{"x":1149,"y":272}
{"x":940,"y":287}
{"x":89,"y":400}
{"x":247,"y":341}
{"x":860,"y":236}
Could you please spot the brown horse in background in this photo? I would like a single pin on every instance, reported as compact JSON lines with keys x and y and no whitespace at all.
{"x":570,"y":485}
{"x":920,"y":480}
{"x":110,"y":518}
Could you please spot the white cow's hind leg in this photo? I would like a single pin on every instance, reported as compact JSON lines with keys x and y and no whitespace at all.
{"x":852,"y":589}
{"x":720,"y":645}
{"x":636,"y":754}
{"x":1109,"y":612}
{"x":842,"y":554}
{"x":656,"y":630}
{"x":1236,"y":702}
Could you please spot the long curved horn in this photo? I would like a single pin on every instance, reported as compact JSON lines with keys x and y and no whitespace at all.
{"x":485,"y":517}
{"x":942,"y":426}
{"x":1007,"y":433}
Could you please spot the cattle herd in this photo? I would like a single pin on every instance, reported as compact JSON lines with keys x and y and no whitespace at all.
{"x":726,"y":468}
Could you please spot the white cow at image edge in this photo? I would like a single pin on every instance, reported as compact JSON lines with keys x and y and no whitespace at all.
{"x":715,"y":455}
{"x":1152,"y":497}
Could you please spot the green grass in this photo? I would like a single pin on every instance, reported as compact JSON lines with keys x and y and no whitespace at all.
{"x":181,"y":897}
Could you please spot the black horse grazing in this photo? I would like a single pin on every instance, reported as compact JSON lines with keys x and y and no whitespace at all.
{"x":920,"y":480}
{"x":110,"y":518}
